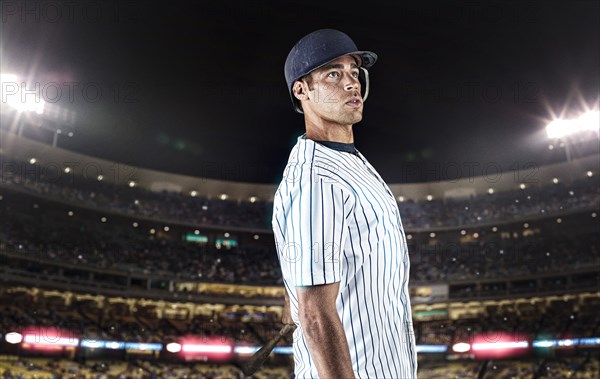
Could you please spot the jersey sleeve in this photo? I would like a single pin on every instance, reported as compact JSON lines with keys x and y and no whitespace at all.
{"x":315,"y":229}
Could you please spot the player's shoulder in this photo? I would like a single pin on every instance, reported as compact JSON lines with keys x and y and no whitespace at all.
{"x":308,"y":153}
{"x":309,"y":160}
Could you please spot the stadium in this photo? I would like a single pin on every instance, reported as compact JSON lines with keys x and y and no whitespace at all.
{"x":504,"y":280}
{"x":116,"y":270}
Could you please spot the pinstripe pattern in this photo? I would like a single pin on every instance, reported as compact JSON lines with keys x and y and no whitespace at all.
{"x":335,"y":220}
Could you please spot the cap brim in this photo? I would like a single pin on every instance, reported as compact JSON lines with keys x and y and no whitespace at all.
{"x":368,"y":58}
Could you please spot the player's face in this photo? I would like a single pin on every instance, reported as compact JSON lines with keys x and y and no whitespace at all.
{"x":334,"y":92}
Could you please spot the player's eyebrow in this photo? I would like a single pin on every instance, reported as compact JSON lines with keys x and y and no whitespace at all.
{"x":338,"y":66}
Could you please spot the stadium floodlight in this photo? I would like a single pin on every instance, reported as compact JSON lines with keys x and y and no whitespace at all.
{"x":590,"y":121}
{"x":8,"y":78}
{"x":14,"y":96}
{"x":560,"y":128}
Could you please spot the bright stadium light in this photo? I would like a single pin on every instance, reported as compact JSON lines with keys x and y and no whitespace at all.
{"x":13,"y":96}
{"x":590,"y":121}
{"x":8,"y":78}
{"x":559,"y":128}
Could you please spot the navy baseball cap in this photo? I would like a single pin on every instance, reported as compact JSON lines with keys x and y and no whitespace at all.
{"x":317,"y":49}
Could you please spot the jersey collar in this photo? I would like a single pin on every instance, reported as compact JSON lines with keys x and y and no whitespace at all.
{"x":339,"y":146}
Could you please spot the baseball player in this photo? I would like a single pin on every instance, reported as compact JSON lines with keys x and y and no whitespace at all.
{"x":339,"y":237}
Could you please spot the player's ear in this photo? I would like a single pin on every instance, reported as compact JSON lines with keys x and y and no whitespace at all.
{"x":300,"y":90}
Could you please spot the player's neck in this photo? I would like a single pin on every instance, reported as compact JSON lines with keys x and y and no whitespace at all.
{"x":329,"y":132}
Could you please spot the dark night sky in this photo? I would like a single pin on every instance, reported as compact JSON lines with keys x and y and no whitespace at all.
{"x":198,"y":88}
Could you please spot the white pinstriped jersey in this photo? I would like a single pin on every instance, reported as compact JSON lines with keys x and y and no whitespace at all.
{"x":335,"y":220}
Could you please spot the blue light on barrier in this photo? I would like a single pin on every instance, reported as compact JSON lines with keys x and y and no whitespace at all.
{"x":92,"y":344}
{"x":143,"y":346}
{"x":119,"y":345}
{"x":253,"y":349}
{"x":283,"y":350}
{"x":544,"y":343}
{"x":99,"y":344}
{"x":432,"y":348}
{"x":114,"y":345}
{"x":245,"y":349}
{"x":589,"y":341}
{"x":568,"y":342}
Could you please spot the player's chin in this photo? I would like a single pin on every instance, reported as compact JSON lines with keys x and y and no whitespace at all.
{"x":353,"y":117}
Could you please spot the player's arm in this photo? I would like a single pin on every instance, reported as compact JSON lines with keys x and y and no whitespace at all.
{"x":323,"y":330}
{"x":286,"y":314}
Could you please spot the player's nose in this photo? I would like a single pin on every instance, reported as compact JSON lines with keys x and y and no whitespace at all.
{"x":351,"y":83}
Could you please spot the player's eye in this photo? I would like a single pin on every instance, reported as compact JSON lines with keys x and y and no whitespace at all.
{"x":333,"y":74}
{"x":355,"y":74}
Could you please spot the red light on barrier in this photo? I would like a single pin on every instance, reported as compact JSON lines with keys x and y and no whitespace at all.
{"x":500,"y":345}
{"x":217,"y":349}
{"x":48,"y":339}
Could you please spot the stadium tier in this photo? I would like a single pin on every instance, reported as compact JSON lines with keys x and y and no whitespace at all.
{"x":55,"y":242}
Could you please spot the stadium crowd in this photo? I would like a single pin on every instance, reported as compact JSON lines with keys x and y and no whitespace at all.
{"x":552,"y":317}
{"x":494,"y":257}
{"x":511,"y":205}
{"x":51,"y":236}
{"x":48,"y":368}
